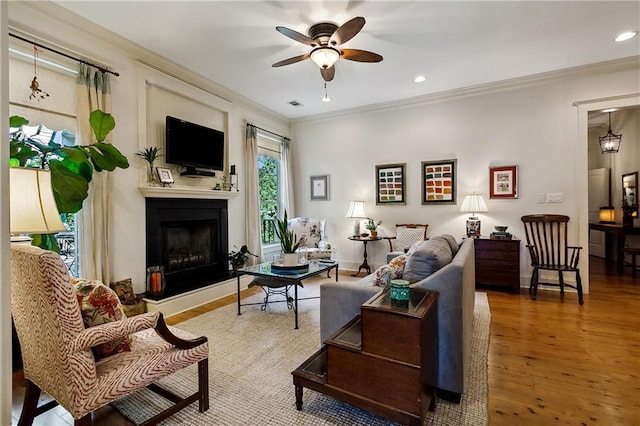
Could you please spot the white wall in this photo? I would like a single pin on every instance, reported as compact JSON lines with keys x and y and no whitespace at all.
{"x":532,"y":125}
{"x":58,"y":27}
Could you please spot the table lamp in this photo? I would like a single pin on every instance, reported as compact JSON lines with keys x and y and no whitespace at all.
{"x":473,"y":203}
{"x":358,"y":212}
{"x":33,"y":208}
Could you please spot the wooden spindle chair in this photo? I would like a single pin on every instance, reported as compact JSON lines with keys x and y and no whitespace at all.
{"x":547,"y":243}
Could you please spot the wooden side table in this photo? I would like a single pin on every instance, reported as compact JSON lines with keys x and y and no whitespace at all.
{"x":498,"y":263}
{"x":365,"y":264}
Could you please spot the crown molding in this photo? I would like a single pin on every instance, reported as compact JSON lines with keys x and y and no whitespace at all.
{"x":134,"y":52}
{"x":624,"y":64}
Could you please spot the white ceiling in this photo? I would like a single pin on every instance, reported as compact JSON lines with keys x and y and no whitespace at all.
{"x":454,"y":44}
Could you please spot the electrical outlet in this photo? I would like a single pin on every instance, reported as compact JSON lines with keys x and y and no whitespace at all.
{"x":554,"y":197}
{"x":540,"y":197}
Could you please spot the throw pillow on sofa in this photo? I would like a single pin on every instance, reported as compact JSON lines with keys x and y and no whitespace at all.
{"x":100,"y":305}
{"x":391,"y":271}
{"x":432,"y":255}
{"x":453,"y":244}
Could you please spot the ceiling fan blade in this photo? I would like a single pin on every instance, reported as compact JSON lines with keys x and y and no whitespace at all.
{"x":328,"y":73}
{"x":347,"y":30}
{"x":291,"y":60}
{"x":360,"y":55}
{"x":294,"y":35}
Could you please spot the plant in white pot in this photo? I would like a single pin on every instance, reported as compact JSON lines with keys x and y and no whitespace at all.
{"x":288,"y":241}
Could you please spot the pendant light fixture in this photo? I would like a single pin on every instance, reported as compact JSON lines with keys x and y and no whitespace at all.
{"x":610,"y":142}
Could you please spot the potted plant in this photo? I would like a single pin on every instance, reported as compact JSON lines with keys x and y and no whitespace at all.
{"x":288,"y":241}
{"x":372,"y":225}
{"x":239,"y":258}
{"x":150,"y":155}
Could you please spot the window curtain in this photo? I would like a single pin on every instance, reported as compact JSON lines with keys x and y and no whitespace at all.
{"x":252,"y":201}
{"x":287,"y":188}
{"x":93,"y":92}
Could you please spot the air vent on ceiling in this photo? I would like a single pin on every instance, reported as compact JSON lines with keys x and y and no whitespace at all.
{"x":295,"y":103}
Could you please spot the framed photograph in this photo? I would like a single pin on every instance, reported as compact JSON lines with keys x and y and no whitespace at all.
{"x":390,"y":184}
{"x":320,"y":187}
{"x":439,"y":182}
{"x":503,"y":182}
{"x":164,"y":175}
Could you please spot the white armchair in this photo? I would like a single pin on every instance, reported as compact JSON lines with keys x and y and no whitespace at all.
{"x":311,"y":233}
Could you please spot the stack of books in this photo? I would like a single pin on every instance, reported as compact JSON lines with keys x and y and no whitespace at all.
{"x":500,"y":235}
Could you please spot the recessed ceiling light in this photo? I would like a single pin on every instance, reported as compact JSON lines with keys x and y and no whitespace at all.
{"x":419,"y":79}
{"x":627,"y":35}
{"x":609,"y":109}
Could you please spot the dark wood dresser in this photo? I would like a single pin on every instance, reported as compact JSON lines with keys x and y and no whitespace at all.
{"x":498,"y":263}
{"x":384,"y":360}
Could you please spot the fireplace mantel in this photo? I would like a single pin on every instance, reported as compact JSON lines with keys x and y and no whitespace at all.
{"x":185,"y":192}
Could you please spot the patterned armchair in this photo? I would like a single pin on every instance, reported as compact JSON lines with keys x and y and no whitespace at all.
{"x":311,"y":232}
{"x":57,"y":348}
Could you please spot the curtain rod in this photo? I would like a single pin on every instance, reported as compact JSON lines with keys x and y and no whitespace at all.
{"x":269,"y":131}
{"x":64,"y":54}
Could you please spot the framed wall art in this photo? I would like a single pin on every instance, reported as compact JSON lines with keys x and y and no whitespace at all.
{"x":503,"y":182}
{"x":164,"y":175}
{"x":439,"y":182}
{"x":319,"y":187}
{"x":390,"y":184}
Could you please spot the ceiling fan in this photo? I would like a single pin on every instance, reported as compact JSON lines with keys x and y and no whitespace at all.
{"x":325,"y":39}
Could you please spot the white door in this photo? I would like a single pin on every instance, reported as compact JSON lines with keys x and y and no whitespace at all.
{"x":598,"y":196}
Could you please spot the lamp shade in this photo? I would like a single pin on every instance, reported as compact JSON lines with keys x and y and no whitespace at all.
{"x":32,"y":206}
{"x":357,"y":210}
{"x":607,"y":214}
{"x":324,"y":56}
{"x":474,"y":203}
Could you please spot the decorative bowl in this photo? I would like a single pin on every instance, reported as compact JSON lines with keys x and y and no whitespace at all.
{"x":501,"y":228}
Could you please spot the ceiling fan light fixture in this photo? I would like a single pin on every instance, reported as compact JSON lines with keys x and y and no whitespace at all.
{"x":326,"y":97}
{"x":324,"y":56}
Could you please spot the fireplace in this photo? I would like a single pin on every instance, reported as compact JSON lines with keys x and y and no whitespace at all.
{"x":189,"y":238}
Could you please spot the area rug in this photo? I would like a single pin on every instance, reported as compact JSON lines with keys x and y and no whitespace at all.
{"x":251,"y":358}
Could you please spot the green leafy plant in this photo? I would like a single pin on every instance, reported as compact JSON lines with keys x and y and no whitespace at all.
{"x":71,"y":167}
{"x":371,"y":224}
{"x":150,"y":155}
{"x":288,"y":239}
{"x":239,"y":258}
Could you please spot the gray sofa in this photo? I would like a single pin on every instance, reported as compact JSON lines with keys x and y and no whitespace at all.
{"x":455,"y":283}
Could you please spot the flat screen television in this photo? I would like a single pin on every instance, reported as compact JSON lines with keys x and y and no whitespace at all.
{"x":193,"y":146}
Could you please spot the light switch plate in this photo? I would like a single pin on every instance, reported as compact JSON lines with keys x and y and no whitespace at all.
{"x":540,"y":197}
{"x":554,"y":197}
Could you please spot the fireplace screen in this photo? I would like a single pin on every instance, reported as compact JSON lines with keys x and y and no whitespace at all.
{"x":188,"y":244}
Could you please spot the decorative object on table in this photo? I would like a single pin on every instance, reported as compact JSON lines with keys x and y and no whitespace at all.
{"x":372,"y":226}
{"x":439,"y":182}
{"x":150,"y":155}
{"x":503,"y":182}
{"x":358,"y":212}
{"x":288,"y":241}
{"x":155,"y":280}
{"x":610,"y":142}
{"x":473,"y":203}
{"x":239,"y":258}
{"x":399,"y":290}
{"x":607,"y":214}
{"x":71,"y":167}
{"x":36,"y":92}
{"x":501,"y":233}
{"x":629,"y":198}
{"x":319,"y":187}
{"x":390,"y":184}
{"x":165,"y":176}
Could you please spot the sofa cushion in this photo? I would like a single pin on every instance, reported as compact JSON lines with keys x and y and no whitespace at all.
{"x":391,"y":271}
{"x":308,"y":231}
{"x":99,"y":305}
{"x":432,"y":255}
{"x":453,"y":244}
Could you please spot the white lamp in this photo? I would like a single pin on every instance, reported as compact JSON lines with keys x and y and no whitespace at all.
{"x":473,"y":203}
{"x":32,"y":206}
{"x":358,"y":212}
{"x":324,"y":56}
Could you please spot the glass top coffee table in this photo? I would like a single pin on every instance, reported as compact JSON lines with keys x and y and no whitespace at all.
{"x":282,"y":281}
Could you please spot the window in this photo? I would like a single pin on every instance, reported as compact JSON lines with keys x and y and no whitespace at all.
{"x":269,"y":185}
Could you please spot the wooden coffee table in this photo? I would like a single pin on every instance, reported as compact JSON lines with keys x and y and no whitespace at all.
{"x":384,"y":360}
{"x":279,"y":280}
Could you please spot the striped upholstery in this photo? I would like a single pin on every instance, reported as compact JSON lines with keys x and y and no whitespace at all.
{"x":56,"y":348}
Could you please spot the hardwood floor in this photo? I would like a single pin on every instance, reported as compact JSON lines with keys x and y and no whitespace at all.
{"x":551,"y":361}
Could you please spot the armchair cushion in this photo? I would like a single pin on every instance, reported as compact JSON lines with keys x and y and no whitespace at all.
{"x":99,"y":305}
{"x":406,"y":237}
